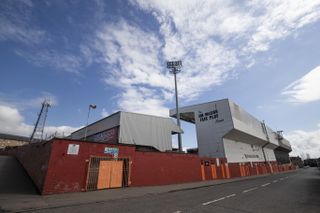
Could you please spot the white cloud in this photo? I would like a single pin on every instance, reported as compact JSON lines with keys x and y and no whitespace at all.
{"x":305,"y":89}
{"x":12,"y":122}
{"x":143,"y":100}
{"x":257,"y":22}
{"x":305,"y":142}
{"x":58,"y":60}
{"x":131,"y":55}
{"x":59,"y":131}
{"x":15,"y":23}
{"x":211,"y":37}
{"x":279,"y":19}
{"x":188,"y":35}
{"x":136,"y":66}
{"x":104,"y":113}
{"x":22,"y":103}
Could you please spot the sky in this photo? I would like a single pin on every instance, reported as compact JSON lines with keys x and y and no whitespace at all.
{"x":263,"y":55}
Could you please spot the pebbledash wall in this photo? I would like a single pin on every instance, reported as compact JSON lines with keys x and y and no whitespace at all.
{"x":54,"y":171}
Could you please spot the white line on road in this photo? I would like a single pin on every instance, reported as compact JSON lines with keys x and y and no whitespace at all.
{"x":275,"y":181}
{"x":212,"y":201}
{"x":266,"y":184}
{"x":248,"y":190}
{"x":230,"y":195}
{"x":177,"y":212}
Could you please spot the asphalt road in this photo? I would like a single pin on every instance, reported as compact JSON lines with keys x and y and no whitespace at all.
{"x":290,"y":192}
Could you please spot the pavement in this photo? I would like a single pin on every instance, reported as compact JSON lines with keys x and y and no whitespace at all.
{"x":27,"y":200}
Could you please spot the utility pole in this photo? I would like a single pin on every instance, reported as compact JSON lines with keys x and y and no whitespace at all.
{"x":175,"y":68}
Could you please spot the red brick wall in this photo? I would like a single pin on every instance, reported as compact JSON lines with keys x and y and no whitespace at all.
{"x":54,"y":171}
{"x":67,"y":173}
{"x":152,"y":168}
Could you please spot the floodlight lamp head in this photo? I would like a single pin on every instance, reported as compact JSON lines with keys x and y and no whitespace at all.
{"x":47,"y":102}
{"x":174,"y":66}
{"x":175,"y":70}
{"x":93,"y":106}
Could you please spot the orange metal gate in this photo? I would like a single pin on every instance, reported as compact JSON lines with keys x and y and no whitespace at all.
{"x":104,"y":173}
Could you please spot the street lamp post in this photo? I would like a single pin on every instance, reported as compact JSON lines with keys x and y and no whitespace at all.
{"x":93,"y":106}
{"x":175,"y":67}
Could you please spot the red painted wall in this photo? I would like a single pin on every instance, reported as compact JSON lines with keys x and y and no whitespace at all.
{"x":67,"y":173}
{"x":234,"y":169}
{"x":54,"y":171}
{"x":153,"y":168}
{"x":34,"y":158}
{"x":207,"y":164}
{"x":257,"y":168}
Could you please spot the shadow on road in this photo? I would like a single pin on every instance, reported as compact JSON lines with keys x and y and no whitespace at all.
{"x":13,"y":178}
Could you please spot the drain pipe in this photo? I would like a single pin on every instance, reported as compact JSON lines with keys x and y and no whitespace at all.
{"x":264,"y":154}
{"x":268,"y":141}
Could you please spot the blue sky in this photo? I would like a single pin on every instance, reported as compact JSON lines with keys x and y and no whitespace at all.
{"x":264,"y":55}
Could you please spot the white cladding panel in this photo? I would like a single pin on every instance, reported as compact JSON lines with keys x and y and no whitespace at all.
{"x":270,"y":156}
{"x":273,"y":137}
{"x":226,"y":130}
{"x":242,"y":152}
{"x":213,"y":120}
{"x":284,"y":143}
{"x":147,"y":130}
{"x":104,"y":124}
{"x":245,"y":122}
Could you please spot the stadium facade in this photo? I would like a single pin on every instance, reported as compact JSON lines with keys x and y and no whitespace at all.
{"x":129,"y":149}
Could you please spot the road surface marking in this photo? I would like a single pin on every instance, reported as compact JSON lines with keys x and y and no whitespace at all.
{"x":230,"y":195}
{"x":177,"y":212}
{"x":266,"y":184}
{"x":212,"y":201}
{"x":275,"y":181}
{"x":248,"y":190}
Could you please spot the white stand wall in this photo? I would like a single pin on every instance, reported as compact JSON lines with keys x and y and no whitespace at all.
{"x":211,"y":127}
{"x":237,"y":151}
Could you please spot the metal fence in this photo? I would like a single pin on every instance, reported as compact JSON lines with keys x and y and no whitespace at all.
{"x":106,"y":172}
